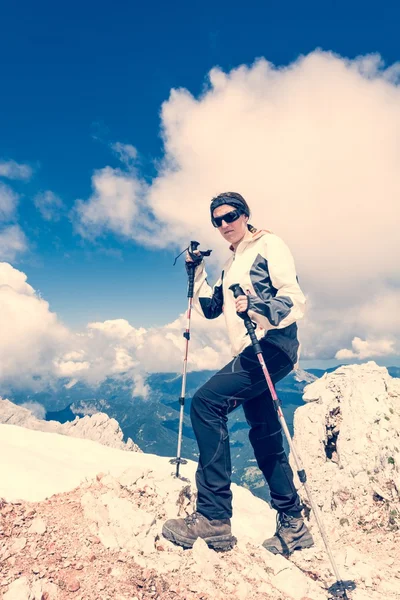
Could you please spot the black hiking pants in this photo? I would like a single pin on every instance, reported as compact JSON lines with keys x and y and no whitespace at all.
{"x":241,"y":382}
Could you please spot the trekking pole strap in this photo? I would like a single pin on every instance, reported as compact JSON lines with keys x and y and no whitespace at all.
{"x":193,"y":247}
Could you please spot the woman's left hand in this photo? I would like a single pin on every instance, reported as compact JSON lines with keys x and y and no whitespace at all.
{"x":242,"y":303}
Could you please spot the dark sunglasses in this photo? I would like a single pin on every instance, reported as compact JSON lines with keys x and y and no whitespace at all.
{"x":229,"y":217}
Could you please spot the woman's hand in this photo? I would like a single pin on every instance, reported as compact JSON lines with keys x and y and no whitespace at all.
{"x":242,"y":303}
{"x":191,"y":264}
{"x":189,"y":258}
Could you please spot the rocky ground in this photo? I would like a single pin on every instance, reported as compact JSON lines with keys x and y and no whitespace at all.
{"x":102,"y":540}
{"x":50,"y":551}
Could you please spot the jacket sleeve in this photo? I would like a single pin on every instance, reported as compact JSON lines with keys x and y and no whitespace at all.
{"x":279,"y":300}
{"x":207,"y":301}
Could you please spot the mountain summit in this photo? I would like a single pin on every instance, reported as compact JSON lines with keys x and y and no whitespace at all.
{"x":83,"y":520}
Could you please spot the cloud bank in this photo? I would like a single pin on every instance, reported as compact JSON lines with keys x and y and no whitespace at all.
{"x":36,"y":349}
{"x":314,"y":149}
{"x":362,"y":349}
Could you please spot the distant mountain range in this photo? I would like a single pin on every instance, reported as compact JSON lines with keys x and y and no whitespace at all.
{"x":153,"y":423}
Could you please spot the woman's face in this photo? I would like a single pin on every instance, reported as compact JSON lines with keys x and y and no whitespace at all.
{"x":231,"y":232}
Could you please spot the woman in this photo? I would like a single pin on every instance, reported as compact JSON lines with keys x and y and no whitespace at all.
{"x":263,"y":265}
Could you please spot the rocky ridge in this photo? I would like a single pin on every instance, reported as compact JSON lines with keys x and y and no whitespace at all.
{"x":348,"y":435}
{"x":98,"y":427}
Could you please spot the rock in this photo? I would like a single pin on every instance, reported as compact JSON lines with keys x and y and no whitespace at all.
{"x":389,"y":587}
{"x":16,"y":546}
{"x":203,"y":555}
{"x":95,"y":539}
{"x":352,"y":557}
{"x":51,"y":548}
{"x":72,"y":583}
{"x":291,"y":582}
{"x":118,"y":520}
{"x":38,"y":526}
{"x":368,"y":582}
{"x":44,"y":590}
{"x":18,"y":590}
{"x":349,"y":441}
{"x":147,"y":545}
{"x":243,"y":590}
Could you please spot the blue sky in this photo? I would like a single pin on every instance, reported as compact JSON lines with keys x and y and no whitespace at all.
{"x":79,"y":77}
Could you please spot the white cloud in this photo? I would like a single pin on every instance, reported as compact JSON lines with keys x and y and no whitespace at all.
{"x":313,"y":147}
{"x":31,"y":334}
{"x":328,"y":328}
{"x":14,"y":170}
{"x":49,"y":204}
{"x":38,"y":410}
{"x":36,"y":348}
{"x":114,"y":204}
{"x":8,"y":202}
{"x":125,"y":348}
{"x":118,"y":329}
{"x":140,"y":387}
{"x":15,"y":279}
{"x":12,"y":242}
{"x":70,"y":368}
{"x":362,"y":349}
{"x":380,"y":314}
{"x":12,"y":238}
{"x":162,"y":348}
{"x":126,"y":153}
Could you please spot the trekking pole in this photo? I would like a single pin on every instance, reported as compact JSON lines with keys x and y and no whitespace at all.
{"x":197,"y":257}
{"x":338,"y":590}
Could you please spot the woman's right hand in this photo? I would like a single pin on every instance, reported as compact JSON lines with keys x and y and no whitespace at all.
{"x":189,"y":258}
{"x":191,"y":264}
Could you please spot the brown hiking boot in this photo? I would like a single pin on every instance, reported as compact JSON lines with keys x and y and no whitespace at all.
{"x":291,"y":534}
{"x":184,"y":532}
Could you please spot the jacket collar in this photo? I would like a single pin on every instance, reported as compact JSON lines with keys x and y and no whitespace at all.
{"x":250,"y":237}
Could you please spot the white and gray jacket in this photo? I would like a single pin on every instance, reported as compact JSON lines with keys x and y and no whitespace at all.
{"x":264,"y":267}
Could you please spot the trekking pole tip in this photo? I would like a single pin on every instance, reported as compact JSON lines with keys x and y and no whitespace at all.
{"x":338,"y":590}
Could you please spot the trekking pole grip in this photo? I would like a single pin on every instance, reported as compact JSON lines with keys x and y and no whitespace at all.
{"x":197,"y":258}
{"x":191,"y":266}
{"x":238,"y":291}
{"x":191,"y":270}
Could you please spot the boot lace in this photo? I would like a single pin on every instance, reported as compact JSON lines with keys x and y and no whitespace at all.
{"x":283,"y":521}
{"x":192,"y":519}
